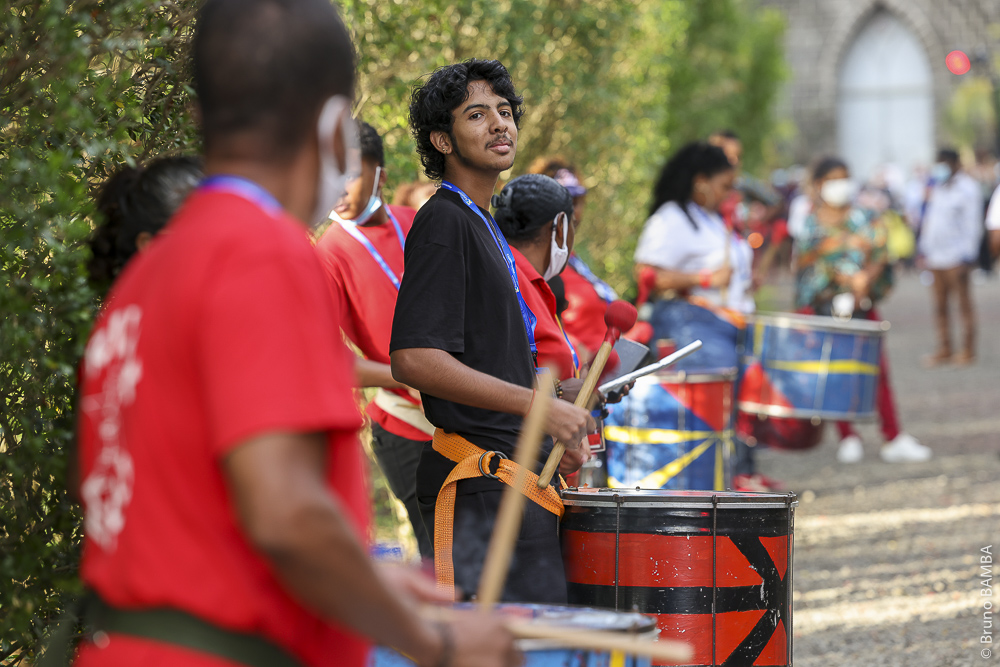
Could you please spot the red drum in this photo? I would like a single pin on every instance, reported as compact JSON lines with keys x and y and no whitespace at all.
{"x":715,"y":568}
{"x":779,"y":432}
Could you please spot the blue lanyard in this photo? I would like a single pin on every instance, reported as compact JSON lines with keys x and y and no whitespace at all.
{"x":242,"y":187}
{"x":576,"y":359}
{"x":529,"y":318}
{"x":602,"y":288}
{"x":353,"y":230}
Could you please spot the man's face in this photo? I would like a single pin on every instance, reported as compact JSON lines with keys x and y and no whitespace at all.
{"x":483,"y":134}
{"x":358,"y":191}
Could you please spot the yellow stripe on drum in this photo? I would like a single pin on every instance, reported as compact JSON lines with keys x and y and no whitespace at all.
{"x":656,"y":480}
{"x":617,"y":659}
{"x":631,"y":435}
{"x":835,"y":367}
{"x":719,"y":477}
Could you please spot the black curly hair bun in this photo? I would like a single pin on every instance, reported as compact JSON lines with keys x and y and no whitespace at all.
{"x":528,"y":203}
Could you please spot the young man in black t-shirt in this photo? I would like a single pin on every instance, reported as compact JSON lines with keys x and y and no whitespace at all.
{"x":461,"y":336}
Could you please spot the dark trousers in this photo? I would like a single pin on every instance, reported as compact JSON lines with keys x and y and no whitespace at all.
{"x":398,"y":458}
{"x":536,"y":568}
{"x":947,"y":282}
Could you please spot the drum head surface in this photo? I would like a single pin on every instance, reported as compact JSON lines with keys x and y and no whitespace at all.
{"x":576,"y":617}
{"x":675,"y":498}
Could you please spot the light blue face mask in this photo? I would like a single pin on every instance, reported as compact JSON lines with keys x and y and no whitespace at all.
{"x":940,"y":172}
{"x":374,"y":204}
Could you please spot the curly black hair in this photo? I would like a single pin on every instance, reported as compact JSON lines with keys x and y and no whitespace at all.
{"x":528,"y":204}
{"x":132,"y":201}
{"x":371,"y":143}
{"x":676,"y":180}
{"x":432,"y":102}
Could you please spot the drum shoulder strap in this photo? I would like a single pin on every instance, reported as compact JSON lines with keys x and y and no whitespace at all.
{"x":173,"y":626}
{"x":472,"y":462}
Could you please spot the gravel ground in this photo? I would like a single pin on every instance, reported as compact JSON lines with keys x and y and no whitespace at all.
{"x":887,"y":556}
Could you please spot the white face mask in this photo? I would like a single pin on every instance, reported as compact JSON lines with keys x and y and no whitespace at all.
{"x":558,"y":256}
{"x":839,"y":192}
{"x":940,"y":172}
{"x":332,"y":181}
{"x":374,"y":204}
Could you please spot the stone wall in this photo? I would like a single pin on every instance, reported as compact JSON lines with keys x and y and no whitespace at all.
{"x":821,"y":31}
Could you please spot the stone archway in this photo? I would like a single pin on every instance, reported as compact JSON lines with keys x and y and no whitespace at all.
{"x":885,"y":97}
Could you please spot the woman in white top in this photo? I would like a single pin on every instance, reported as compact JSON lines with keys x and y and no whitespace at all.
{"x":697,"y":271}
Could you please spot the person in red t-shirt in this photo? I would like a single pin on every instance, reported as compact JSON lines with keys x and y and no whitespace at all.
{"x":535,"y":214}
{"x":362,"y":252}
{"x":587,"y":296}
{"x":222,"y":483}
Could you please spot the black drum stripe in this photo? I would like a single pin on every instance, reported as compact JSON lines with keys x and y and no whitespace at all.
{"x":687,"y":600}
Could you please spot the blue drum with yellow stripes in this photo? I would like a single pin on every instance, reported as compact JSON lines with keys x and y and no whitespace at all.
{"x":673,"y":431}
{"x":811,"y":367}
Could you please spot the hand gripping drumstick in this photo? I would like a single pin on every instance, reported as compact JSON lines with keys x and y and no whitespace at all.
{"x":620,"y":316}
{"x":508,"y":523}
{"x":664,"y":651}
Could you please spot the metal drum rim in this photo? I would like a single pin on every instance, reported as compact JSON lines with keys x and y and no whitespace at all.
{"x":820,"y":323}
{"x":746,"y":500}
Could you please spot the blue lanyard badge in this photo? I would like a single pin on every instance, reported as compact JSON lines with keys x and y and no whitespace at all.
{"x":576,"y":359}
{"x":242,"y":187}
{"x":353,"y":230}
{"x":529,"y":318}
{"x":603,"y":289}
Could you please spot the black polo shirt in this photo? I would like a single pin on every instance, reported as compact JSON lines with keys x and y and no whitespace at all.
{"x":456,"y":295}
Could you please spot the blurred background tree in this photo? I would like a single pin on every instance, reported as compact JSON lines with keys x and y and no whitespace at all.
{"x":613,"y":86}
{"x":87,"y":85}
{"x":84,"y":87}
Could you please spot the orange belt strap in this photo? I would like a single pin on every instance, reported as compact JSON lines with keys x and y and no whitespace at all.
{"x":472,"y":462}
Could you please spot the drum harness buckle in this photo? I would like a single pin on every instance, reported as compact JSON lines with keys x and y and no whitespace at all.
{"x":486,"y":471}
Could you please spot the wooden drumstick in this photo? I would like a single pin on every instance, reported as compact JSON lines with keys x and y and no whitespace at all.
{"x":508,"y":523}
{"x":663,"y":650}
{"x":620,"y":316}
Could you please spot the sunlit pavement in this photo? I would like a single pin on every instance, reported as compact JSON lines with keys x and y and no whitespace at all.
{"x":888,"y":556}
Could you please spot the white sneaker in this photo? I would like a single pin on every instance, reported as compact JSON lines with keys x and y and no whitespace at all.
{"x":851,"y":450}
{"x":905,"y":448}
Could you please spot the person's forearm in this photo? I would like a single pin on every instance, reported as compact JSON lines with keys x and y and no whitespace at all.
{"x":375,"y":374}
{"x":437,"y":373}
{"x":994,"y":243}
{"x":325,"y":567}
{"x":667,"y":279}
{"x":312,"y":546}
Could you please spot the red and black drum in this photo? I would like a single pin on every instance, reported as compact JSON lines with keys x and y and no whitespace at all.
{"x":715,"y":568}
